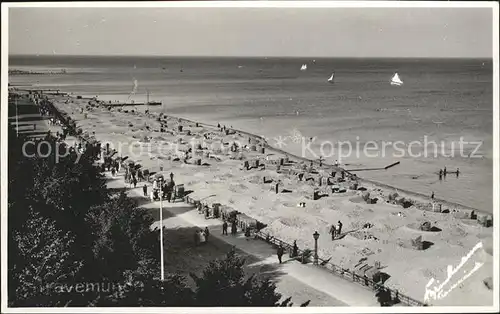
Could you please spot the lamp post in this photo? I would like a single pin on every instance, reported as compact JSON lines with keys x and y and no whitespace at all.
{"x":160,"y":181}
{"x":316,"y":237}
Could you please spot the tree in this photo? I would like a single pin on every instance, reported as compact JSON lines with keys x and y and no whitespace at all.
{"x":65,"y":227}
{"x":122,"y":237}
{"x":40,"y":258}
{"x":223,"y":283}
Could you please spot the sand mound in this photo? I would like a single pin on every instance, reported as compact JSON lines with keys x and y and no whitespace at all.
{"x":362,"y":235}
{"x":357,"y":200}
{"x":237,"y":187}
{"x":294,"y":221}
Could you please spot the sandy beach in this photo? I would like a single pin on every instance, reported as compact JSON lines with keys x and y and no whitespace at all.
{"x":217,"y":175}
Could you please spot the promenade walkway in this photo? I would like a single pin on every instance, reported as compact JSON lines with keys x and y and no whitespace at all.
{"x":29,"y":121}
{"x":301,"y":282}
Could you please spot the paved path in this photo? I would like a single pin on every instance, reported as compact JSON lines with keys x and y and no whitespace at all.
{"x":29,"y":121}
{"x":301,"y":282}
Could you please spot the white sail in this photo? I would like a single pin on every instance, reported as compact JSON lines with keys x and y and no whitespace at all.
{"x":303,"y":67}
{"x":331,"y":78}
{"x":396,"y":80}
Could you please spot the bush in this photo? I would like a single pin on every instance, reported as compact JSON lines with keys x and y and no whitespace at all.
{"x":227,"y":277}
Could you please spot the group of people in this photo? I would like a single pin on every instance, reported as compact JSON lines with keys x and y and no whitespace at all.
{"x":45,"y":109}
{"x":165,"y":188}
{"x":112,"y":165}
{"x":443,"y":172}
{"x":281,"y":251}
{"x":336,"y":231}
{"x":201,"y":236}
{"x":234,"y":227}
{"x":132,"y":175}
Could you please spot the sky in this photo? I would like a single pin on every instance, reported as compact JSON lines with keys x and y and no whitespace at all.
{"x":269,"y":32}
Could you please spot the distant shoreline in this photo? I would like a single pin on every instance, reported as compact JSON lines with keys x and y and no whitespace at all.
{"x":52,"y":56}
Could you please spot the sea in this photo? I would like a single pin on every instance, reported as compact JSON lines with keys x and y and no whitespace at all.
{"x":442,"y":116}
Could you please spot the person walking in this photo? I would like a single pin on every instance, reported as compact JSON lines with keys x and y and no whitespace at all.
{"x":432,"y":195}
{"x":134,"y":181}
{"x":203,"y":239}
{"x":339,"y":228}
{"x":458,"y":172}
{"x":295,"y":249}
{"x":224,"y":228}
{"x":113,"y":171}
{"x":196,"y":237}
{"x":234,"y":229}
{"x":207,"y":233}
{"x":169,"y":195}
{"x":145,"y":190}
{"x":280,"y":253}
{"x":332,"y":232}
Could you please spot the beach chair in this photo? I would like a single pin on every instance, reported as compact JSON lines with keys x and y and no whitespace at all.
{"x":179,"y":192}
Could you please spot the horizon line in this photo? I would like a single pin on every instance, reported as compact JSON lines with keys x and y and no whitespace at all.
{"x":244,"y":57}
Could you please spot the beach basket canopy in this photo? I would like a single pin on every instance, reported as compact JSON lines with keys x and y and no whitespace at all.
{"x":158,"y":176}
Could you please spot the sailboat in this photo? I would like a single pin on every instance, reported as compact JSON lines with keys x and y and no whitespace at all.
{"x":330,"y":80}
{"x":303,"y":67}
{"x":396,"y":80}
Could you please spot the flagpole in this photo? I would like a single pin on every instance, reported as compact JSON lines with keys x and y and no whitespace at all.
{"x":161,"y":233}
{"x":17,"y":120}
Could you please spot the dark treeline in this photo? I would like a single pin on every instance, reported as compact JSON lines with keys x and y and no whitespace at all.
{"x":65,"y":227}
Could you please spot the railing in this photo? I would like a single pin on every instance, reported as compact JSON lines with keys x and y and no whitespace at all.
{"x":336,"y":270}
{"x":345,"y":273}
